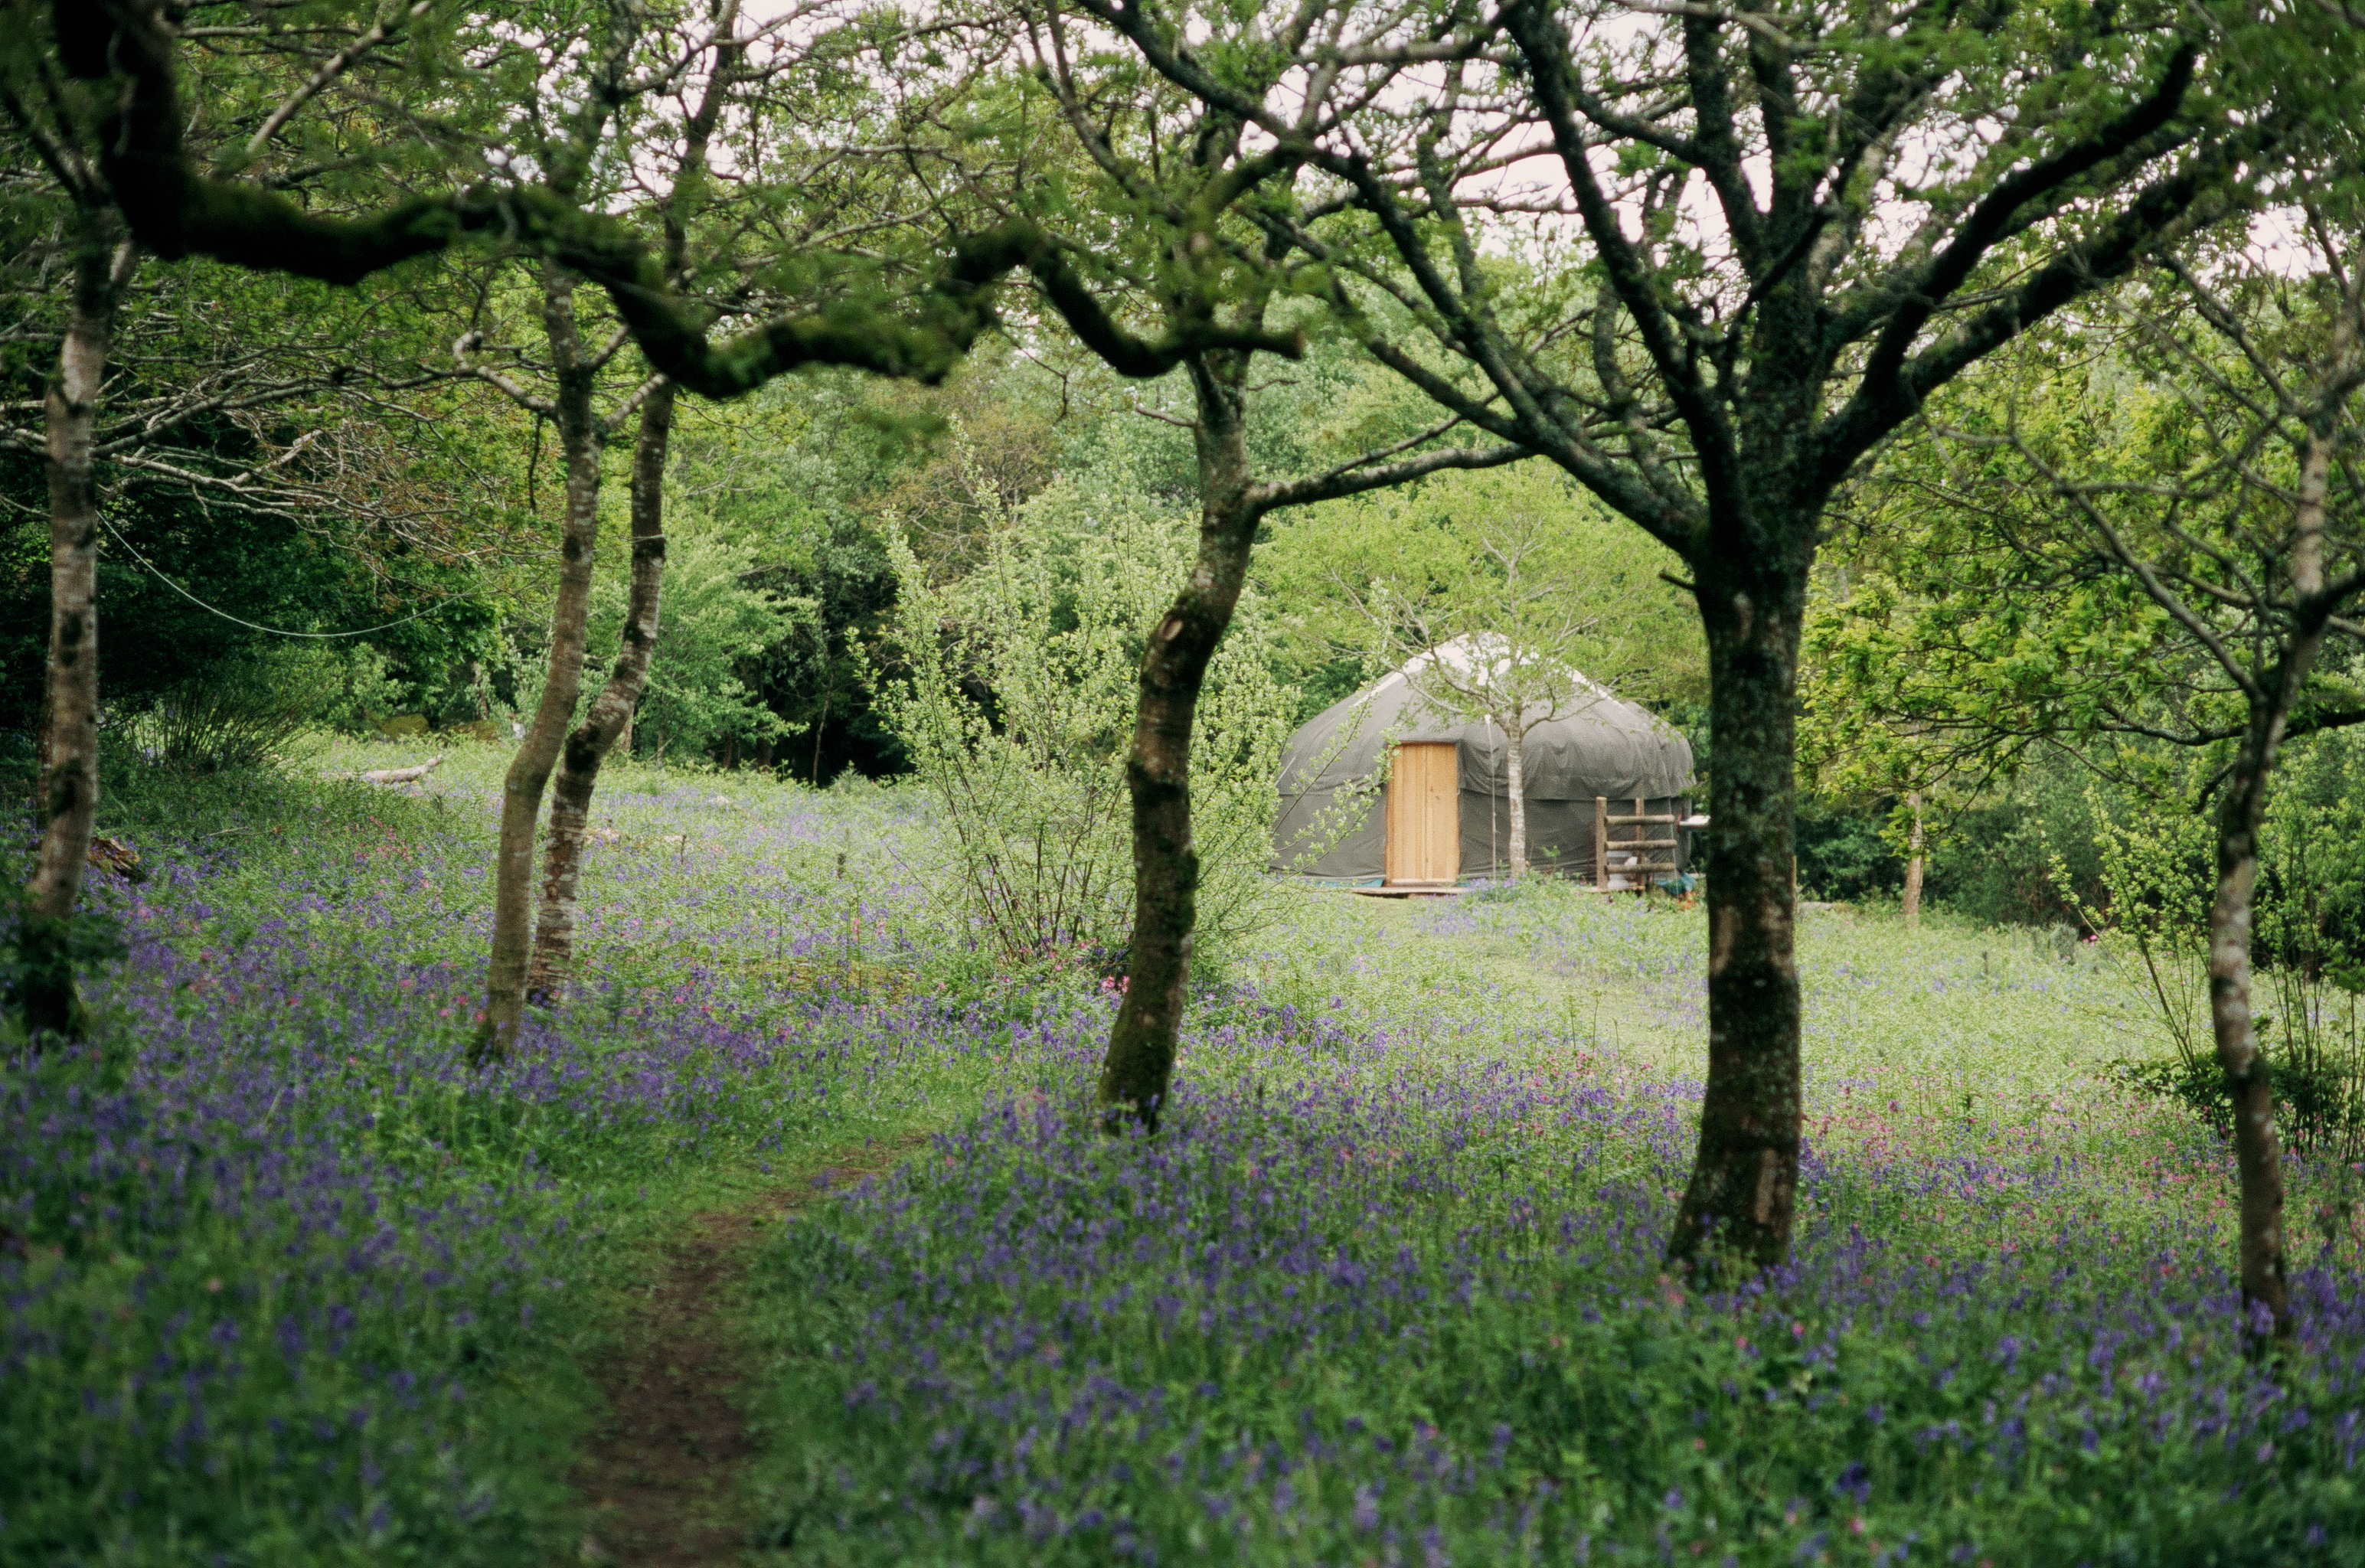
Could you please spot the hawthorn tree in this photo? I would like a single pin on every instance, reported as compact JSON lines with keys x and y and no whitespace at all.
{"x":909,"y":313}
{"x":1766,"y":235}
{"x":2175,"y":515}
{"x":1172,"y":218}
{"x":770,"y":106}
{"x":62,"y":123}
{"x":598,"y":150}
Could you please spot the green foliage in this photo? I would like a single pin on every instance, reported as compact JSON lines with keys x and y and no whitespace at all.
{"x":1992,"y":860}
{"x":1425,"y":549}
{"x":369,"y":691}
{"x":1843,"y":854}
{"x":1013,"y":689}
{"x":2156,"y":874}
{"x":716,"y":619}
{"x":241,"y":716}
{"x":40,"y":957}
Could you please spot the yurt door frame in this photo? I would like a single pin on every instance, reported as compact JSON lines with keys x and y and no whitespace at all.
{"x":1423,"y":815}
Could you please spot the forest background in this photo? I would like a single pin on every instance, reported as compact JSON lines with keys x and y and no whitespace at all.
{"x":781,"y":586}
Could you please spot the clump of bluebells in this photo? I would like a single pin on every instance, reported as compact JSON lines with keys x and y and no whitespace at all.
{"x":284,"y":1275}
{"x":1328,"y":1315}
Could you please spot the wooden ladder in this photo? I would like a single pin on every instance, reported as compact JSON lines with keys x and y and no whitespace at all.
{"x":1654,"y":859}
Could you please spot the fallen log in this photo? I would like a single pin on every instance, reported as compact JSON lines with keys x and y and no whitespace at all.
{"x":400,"y":775}
{"x":114,"y":855}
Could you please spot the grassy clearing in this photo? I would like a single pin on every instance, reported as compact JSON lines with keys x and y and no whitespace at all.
{"x":2007,"y":1011}
{"x":288,"y":1283}
{"x":1388,"y":1287}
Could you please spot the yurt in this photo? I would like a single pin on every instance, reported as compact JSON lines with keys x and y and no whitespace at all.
{"x":1606,"y":785}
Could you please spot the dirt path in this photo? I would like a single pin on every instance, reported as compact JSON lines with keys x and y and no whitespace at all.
{"x":661,"y":1473}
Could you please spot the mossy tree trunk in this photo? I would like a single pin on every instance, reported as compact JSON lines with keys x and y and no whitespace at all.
{"x":1743,"y":1191}
{"x":2258,"y":1149}
{"x":611,"y":718}
{"x":1139,"y":1067}
{"x":610,"y":721}
{"x":528,"y":772}
{"x":68,"y":786}
{"x":1137,"y":1071}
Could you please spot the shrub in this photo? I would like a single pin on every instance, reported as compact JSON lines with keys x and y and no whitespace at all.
{"x":238,"y":715}
{"x":2318,"y":1109}
{"x":367,"y":691}
{"x":1841,"y":852}
{"x":2156,"y":876}
{"x":713,"y":620}
{"x":1992,"y":862}
{"x":1013,"y":689}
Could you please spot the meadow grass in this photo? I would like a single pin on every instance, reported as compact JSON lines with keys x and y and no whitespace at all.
{"x":289,"y":1283}
{"x":1387,"y":1285}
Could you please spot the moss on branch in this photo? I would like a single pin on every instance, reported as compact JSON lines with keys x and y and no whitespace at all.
{"x":177,"y":211}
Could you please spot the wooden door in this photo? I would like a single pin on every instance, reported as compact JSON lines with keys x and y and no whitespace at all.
{"x":1425,"y":815}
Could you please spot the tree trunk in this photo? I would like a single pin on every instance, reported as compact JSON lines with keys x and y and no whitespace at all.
{"x":1913,"y":862}
{"x":2258,"y":1152}
{"x":611,"y":718}
{"x":1140,"y":1061}
{"x":68,"y":787}
{"x":528,"y":772}
{"x":2258,"y":1149}
{"x":1743,"y":1185}
{"x":1514,"y":749}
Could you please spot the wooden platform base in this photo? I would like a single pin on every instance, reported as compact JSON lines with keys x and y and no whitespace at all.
{"x":1408,"y":891}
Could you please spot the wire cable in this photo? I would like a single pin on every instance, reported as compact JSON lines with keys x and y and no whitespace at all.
{"x":251,"y":626}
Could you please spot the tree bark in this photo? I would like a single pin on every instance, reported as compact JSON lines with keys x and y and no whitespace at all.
{"x":1140,"y":1062}
{"x":611,"y":718}
{"x":68,"y":788}
{"x":529,"y":771}
{"x":2250,"y":1084}
{"x":1514,"y":760}
{"x":1743,"y":1187}
{"x":2257,"y":1149}
{"x":1913,"y":862}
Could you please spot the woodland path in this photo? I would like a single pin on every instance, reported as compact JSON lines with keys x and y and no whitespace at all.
{"x":660,"y":1474}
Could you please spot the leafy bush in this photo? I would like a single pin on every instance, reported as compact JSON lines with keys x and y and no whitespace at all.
{"x":1013,"y":690}
{"x":2318,"y":1104}
{"x":1841,"y":852}
{"x":368,"y":691}
{"x":1994,"y":861}
{"x":238,"y":715}
{"x":2157,"y":871}
{"x":712,"y":623}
